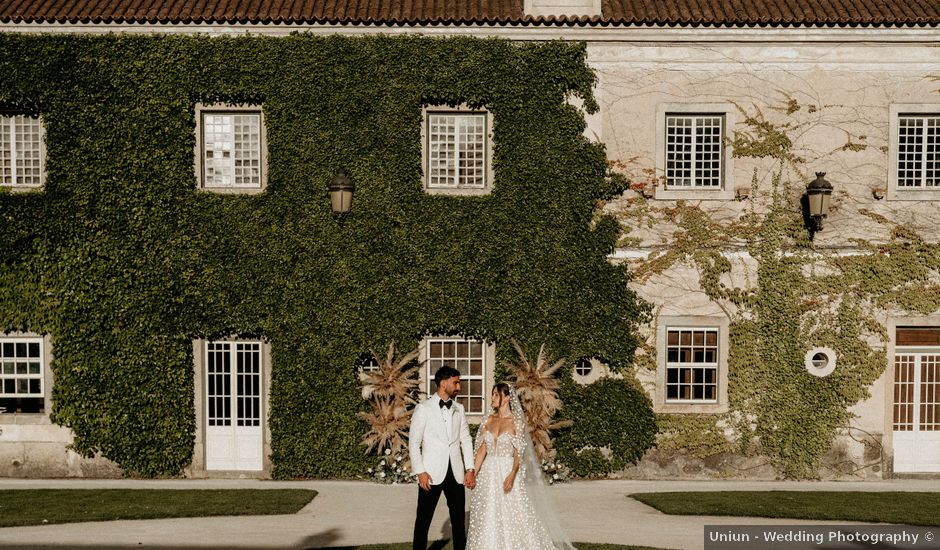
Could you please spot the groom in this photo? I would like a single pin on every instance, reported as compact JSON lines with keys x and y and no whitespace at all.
{"x":438,"y":434}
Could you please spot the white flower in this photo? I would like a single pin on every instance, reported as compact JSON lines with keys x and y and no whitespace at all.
{"x":382,"y":462}
{"x":381,"y":474}
{"x":370,"y":470}
{"x":388,"y":452}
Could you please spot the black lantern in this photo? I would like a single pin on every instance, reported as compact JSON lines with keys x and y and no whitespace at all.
{"x":341,"y":192}
{"x":818,"y":195}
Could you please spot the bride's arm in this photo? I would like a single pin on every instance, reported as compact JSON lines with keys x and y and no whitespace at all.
{"x":479,"y":457}
{"x":480,"y":454}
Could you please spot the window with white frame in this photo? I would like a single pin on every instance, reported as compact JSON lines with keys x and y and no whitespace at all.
{"x":21,"y":375}
{"x":694,"y":144}
{"x":918,"y":151}
{"x":692,"y":364}
{"x":231,"y":149}
{"x":457,"y":150}
{"x":21,"y":148}
{"x":469,"y":358}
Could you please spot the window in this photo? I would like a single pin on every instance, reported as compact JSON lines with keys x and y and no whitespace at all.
{"x":21,"y":146}
{"x":231,"y":149}
{"x":692,"y":364}
{"x":692,"y":156}
{"x":457,"y":151}
{"x":22,"y":388}
{"x":693,"y":151}
{"x":470,"y":358}
{"x":918,"y":151}
{"x":914,"y":152}
{"x":233,"y":383}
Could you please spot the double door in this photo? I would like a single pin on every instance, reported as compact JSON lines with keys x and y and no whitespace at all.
{"x":234,"y":426}
{"x":916,"y":431}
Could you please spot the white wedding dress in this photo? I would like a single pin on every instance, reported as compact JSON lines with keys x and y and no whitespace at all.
{"x":500,"y":520}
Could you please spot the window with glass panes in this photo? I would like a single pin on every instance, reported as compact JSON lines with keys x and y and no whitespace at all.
{"x":233,"y":383}
{"x":21,"y":375}
{"x":692,"y":364}
{"x":231,"y":149}
{"x":21,"y":151}
{"x":693,"y":151}
{"x":468,"y":357}
{"x":456,"y":150}
{"x":919,"y":151}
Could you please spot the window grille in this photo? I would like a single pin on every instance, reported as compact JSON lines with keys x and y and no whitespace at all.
{"x":21,"y":151}
{"x":468,"y":357}
{"x":456,"y":150}
{"x":231,"y":149}
{"x":918,"y":157}
{"x":692,"y":365}
{"x":694,"y":151}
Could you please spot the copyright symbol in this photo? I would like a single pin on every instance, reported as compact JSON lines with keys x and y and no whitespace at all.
{"x":928,"y":536}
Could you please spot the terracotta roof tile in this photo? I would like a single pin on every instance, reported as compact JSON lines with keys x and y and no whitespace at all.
{"x":456,"y":12}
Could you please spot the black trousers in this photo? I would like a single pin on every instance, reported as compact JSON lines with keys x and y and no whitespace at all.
{"x":427,"y":502}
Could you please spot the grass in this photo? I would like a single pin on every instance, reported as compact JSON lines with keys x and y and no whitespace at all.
{"x":445,"y":545}
{"x":907,"y":508}
{"x":48,"y":506}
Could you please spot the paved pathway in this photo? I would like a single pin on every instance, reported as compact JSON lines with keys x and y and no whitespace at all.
{"x":351,"y":513}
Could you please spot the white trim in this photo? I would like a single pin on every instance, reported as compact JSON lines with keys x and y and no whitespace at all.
{"x":618,"y":33}
{"x":825,"y":370}
{"x":19,"y":187}
{"x":46,"y":383}
{"x":726,"y":189}
{"x":895,"y":110}
{"x":644,"y":253}
{"x":199,"y":164}
{"x":462,"y":109}
{"x":721,"y":325}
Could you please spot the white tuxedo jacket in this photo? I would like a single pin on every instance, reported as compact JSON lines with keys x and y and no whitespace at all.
{"x":432,"y":446}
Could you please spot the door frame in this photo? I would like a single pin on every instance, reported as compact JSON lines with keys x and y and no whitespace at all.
{"x":888,"y":388}
{"x":198,"y":465}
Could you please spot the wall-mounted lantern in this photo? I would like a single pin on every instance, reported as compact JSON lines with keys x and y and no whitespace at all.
{"x":341,"y":193}
{"x":818,"y":196}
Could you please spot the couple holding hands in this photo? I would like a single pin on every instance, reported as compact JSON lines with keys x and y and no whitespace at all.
{"x":509,"y":506}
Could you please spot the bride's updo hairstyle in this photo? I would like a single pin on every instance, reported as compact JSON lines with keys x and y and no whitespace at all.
{"x":503,"y":389}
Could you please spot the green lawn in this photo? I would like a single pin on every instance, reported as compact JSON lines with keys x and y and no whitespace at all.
{"x":445,"y":545}
{"x":47,"y":506}
{"x":876,"y":507}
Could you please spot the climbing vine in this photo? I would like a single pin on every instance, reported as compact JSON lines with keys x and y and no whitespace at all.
{"x":124,"y":262}
{"x":793,"y":295}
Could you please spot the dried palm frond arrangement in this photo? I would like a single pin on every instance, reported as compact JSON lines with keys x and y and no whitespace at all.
{"x":538,"y":391}
{"x":390,"y":390}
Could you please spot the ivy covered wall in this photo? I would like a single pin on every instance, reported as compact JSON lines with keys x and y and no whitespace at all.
{"x":794,"y":109}
{"x":124,"y":262}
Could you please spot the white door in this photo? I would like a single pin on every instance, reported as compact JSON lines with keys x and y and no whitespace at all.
{"x":234,"y":439}
{"x":916,"y":430}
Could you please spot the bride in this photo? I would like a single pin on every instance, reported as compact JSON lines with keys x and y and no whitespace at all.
{"x":509,"y":507}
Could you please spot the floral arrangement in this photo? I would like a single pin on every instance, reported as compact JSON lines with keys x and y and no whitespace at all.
{"x":555,"y":472}
{"x":392,"y":470}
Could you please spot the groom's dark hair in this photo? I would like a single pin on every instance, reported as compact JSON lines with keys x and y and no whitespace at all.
{"x":444,"y":373}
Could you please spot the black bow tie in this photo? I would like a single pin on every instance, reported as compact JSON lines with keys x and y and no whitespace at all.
{"x":447,"y":403}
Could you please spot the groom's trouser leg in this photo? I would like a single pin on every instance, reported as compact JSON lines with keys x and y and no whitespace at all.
{"x":427,"y":502}
{"x":456,"y":501}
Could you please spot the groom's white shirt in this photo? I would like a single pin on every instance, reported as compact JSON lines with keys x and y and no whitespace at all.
{"x":438,"y":435}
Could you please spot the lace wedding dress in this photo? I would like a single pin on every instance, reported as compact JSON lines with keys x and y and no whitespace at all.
{"x":523,"y":518}
{"x":500,"y":520}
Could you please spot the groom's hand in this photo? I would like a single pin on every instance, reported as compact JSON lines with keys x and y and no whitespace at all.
{"x":424,"y":481}
{"x":470,"y":479}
